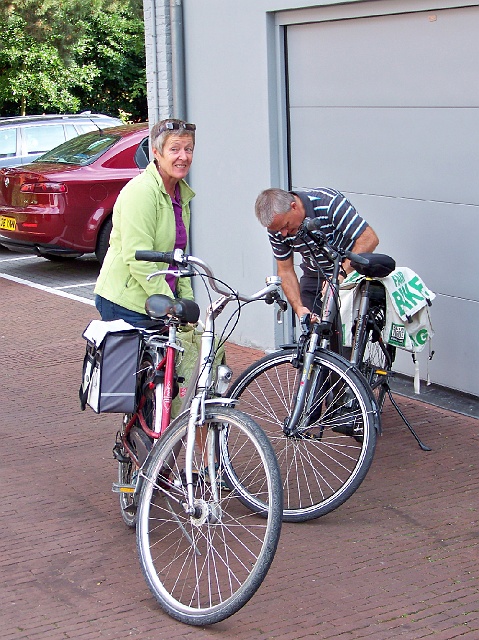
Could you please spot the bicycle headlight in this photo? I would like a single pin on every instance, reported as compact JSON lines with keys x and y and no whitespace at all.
{"x":223,"y":379}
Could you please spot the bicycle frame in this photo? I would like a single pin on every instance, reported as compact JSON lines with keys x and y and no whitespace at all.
{"x":361,"y":322}
{"x":318,"y":335}
{"x":361,"y":329}
{"x":163,"y":389}
{"x":199,"y":392}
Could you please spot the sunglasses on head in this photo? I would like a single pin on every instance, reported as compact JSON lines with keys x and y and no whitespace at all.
{"x":172,"y":126}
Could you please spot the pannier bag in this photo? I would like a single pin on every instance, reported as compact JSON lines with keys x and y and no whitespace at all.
{"x":407,"y":324}
{"x":110,"y":367}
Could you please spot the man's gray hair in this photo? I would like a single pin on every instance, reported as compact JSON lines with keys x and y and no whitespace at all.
{"x":158,"y":139}
{"x":270,"y":203}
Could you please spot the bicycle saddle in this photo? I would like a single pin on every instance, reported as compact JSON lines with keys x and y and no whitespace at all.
{"x":379,"y":265}
{"x":159,"y":306}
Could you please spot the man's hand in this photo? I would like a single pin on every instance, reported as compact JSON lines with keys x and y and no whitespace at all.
{"x":307,"y":320}
{"x":307,"y":317}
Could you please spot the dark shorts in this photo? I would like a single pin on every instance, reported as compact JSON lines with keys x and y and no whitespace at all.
{"x":310,"y":289}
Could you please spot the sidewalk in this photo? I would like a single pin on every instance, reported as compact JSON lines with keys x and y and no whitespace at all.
{"x":398,"y":560}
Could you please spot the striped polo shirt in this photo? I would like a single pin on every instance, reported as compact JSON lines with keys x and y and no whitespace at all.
{"x":340,"y":223}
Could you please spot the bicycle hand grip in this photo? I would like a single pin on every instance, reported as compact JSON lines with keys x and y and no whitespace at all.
{"x":155,"y":256}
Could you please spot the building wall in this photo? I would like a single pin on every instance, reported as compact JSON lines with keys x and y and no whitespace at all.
{"x":395,"y":127}
{"x":236,"y":94}
{"x":156,"y":15}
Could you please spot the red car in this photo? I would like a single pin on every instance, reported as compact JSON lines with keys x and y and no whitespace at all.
{"x":60,"y":205}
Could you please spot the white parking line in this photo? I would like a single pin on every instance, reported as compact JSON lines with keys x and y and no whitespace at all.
{"x":72,"y":286}
{"x":12,"y":259}
{"x":56,"y":292}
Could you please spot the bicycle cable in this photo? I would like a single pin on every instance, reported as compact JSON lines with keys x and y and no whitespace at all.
{"x":321,"y":273}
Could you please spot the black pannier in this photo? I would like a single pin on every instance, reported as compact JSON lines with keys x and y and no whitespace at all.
{"x":109,"y":368}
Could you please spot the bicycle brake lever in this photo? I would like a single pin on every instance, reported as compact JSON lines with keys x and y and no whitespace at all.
{"x":274,"y":296}
{"x":305,"y":322}
{"x":178,"y":273}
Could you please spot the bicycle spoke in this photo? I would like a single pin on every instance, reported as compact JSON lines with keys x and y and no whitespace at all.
{"x":203,"y":567}
{"x":323,"y":461}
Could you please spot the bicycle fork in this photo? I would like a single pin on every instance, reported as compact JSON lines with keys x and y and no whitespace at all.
{"x":299,"y":418}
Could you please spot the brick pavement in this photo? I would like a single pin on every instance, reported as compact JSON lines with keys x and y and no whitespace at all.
{"x":398,"y":560}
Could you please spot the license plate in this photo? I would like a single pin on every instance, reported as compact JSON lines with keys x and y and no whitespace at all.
{"x":10,"y":224}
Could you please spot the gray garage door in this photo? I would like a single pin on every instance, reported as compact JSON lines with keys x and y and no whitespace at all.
{"x":386,"y":109}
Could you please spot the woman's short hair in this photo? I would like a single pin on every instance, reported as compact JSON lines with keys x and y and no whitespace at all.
{"x":270,"y":203}
{"x":164,"y":129}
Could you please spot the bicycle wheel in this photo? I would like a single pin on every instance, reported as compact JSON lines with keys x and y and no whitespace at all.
{"x":139,"y":443}
{"x":126,"y":471}
{"x":323,"y":465}
{"x":376,"y":363}
{"x":374,"y":355}
{"x":203,"y":568}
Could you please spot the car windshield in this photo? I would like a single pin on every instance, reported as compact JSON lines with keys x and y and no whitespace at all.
{"x":81,"y":150}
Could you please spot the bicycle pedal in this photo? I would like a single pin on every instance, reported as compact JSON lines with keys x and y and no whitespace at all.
{"x":117,"y":487}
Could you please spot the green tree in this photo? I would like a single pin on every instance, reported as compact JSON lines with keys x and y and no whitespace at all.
{"x":114,"y":42}
{"x":64,"y":56}
{"x":33,"y":74}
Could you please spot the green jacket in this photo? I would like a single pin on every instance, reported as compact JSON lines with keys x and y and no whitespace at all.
{"x":143,"y":218}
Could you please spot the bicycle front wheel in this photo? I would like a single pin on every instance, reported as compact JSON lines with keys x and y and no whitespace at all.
{"x":203,"y":568}
{"x":324,"y":463}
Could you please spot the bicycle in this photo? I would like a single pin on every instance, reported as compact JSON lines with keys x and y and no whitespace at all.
{"x":369,"y":352}
{"x":320,"y":410}
{"x":202,"y":553}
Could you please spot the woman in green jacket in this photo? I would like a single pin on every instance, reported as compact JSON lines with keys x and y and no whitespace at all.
{"x":151,"y":212}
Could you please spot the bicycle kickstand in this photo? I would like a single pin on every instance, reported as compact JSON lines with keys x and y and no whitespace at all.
{"x":423,"y":446}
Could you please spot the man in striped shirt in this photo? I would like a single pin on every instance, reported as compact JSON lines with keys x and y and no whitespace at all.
{"x":283,"y":212}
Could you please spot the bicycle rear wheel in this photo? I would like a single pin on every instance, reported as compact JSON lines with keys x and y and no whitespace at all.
{"x":203,"y":568}
{"x":376,"y":363}
{"x":376,"y":357}
{"x":139,"y":443}
{"x":322,"y":466}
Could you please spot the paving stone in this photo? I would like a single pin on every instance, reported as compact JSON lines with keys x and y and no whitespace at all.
{"x":397,"y":560}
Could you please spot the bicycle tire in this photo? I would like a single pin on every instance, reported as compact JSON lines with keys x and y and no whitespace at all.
{"x":139,"y":442}
{"x":319,"y":473}
{"x":376,"y":364}
{"x":203,"y":569}
{"x":376,"y":357}
{"x":125,"y":476}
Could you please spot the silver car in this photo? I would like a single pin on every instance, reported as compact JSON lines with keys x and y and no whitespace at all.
{"x":25,"y":138}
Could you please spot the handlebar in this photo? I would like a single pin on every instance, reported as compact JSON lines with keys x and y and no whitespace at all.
{"x":155,"y":256}
{"x":312,"y":228}
{"x":177,"y":257}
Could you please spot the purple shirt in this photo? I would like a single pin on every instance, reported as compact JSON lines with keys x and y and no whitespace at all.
{"x":181,"y":237}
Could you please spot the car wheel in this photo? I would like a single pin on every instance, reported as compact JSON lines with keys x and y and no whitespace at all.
{"x":103,"y":240}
